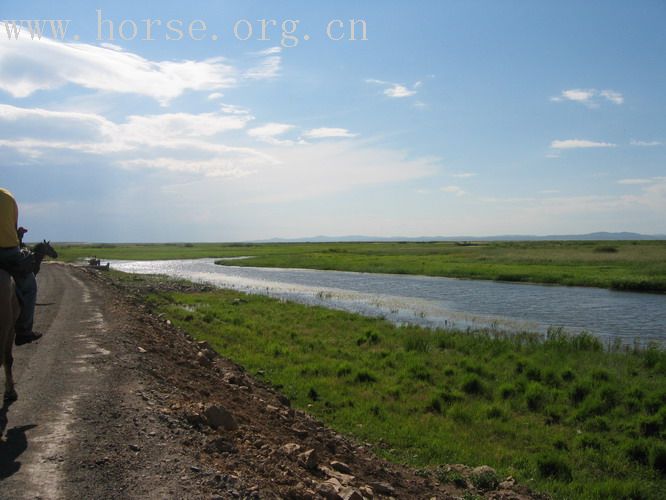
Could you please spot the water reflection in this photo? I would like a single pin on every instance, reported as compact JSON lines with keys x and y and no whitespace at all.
{"x":438,"y":302}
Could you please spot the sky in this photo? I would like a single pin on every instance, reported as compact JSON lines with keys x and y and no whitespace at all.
{"x":248,"y":120}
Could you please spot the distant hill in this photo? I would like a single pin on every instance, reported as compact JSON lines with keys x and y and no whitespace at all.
{"x":598,"y":236}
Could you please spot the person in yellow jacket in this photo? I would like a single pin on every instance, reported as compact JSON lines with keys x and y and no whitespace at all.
{"x":10,"y":252}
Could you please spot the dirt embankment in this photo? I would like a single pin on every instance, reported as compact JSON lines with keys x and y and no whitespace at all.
{"x":162,"y":416}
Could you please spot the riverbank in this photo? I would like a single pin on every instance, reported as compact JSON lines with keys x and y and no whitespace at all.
{"x":561,"y":415}
{"x":621,"y":265}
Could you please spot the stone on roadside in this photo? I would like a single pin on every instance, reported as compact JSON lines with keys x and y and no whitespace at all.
{"x":508,"y":483}
{"x":308,"y":459}
{"x":221,"y":445}
{"x":290,"y":449}
{"x":383,"y":488}
{"x":301,"y":433}
{"x":340,"y":476}
{"x":366,"y":491}
{"x":349,"y":493}
{"x":194,"y":418}
{"x":341,"y":467}
{"x":330,"y":489}
{"x":217,"y":417}
{"x":202,"y":359}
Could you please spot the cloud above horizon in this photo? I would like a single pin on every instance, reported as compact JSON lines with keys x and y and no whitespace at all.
{"x":579,"y":144}
{"x":589,"y":97}
{"x":635,"y":142}
{"x":196,"y":146}
{"x":30,"y":65}
{"x":327,"y":133}
{"x":396,"y":90}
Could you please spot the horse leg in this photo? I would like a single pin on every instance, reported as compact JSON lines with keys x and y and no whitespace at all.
{"x":10,"y":392}
{"x":9,"y":311}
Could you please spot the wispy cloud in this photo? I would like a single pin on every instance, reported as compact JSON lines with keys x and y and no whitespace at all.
{"x":464,"y":175}
{"x":269,"y":133}
{"x":268,"y":67}
{"x":173,"y":141}
{"x":589,"y":97}
{"x":396,"y":90}
{"x":327,"y":132}
{"x":579,"y":144}
{"x":636,"y":182}
{"x":29,"y":66}
{"x":456,"y":190}
{"x":612,"y":96}
{"x":645,"y":143}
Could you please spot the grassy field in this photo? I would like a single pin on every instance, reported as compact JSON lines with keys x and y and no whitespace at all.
{"x":623,"y":265}
{"x":562,"y":415}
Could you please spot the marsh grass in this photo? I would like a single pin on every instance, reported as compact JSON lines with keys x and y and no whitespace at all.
{"x":560,"y":413}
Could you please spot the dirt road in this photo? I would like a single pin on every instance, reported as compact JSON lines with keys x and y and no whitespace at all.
{"x":81,"y":405}
{"x":116,"y":403}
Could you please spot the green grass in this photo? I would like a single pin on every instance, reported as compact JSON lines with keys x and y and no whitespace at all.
{"x":622,"y":265}
{"x":562,"y":415}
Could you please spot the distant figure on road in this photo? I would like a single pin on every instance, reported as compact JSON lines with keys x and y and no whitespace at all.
{"x":11,"y":240}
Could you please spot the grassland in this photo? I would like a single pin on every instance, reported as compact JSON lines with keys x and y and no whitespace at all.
{"x":562,"y":414}
{"x":622,"y":265}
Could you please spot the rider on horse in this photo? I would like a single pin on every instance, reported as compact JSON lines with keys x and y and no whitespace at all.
{"x":10,"y":257}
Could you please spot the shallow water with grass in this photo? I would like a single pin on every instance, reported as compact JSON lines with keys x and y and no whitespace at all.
{"x":623,"y":317}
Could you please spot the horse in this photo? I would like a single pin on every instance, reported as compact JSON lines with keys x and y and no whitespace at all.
{"x":41,"y":250}
{"x":10,"y":309}
{"x":9,"y":313}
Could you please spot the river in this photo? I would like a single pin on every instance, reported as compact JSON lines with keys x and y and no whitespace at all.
{"x":439,"y":302}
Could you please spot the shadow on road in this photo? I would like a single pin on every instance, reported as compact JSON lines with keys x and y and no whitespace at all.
{"x":14,"y":444}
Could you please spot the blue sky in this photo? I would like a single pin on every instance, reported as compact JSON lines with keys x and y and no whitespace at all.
{"x":452,"y":118}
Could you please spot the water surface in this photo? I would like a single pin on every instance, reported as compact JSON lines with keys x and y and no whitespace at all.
{"x":439,"y":302}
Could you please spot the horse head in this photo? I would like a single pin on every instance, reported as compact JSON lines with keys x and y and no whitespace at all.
{"x":45,"y":250}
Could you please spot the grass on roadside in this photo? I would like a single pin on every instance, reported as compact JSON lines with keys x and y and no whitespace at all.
{"x":560,"y":414}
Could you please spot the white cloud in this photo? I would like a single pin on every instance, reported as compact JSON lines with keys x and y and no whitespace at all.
{"x":270,"y":51}
{"x":232,"y":109}
{"x":268,"y":133}
{"x":396,"y":90}
{"x":170,"y":140}
{"x":327,"y":132}
{"x":29,"y":66}
{"x":457,"y":190}
{"x":612,"y":96}
{"x":212,"y":167}
{"x":215,"y":95}
{"x":635,"y":182}
{"x":268,"y":67}
{"x":465,"y":175}
{"x":576,"y":95}
{"x":111,"y":46}
{"x":589,"y":97}
{"x":579,"y":143}
{"x":309,"y":171}
{"x":645,"y":143}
